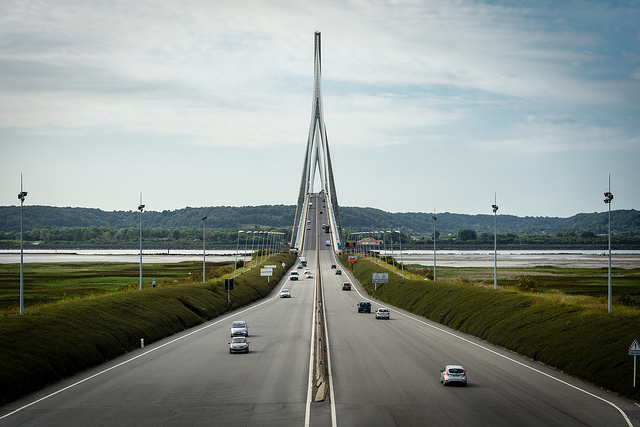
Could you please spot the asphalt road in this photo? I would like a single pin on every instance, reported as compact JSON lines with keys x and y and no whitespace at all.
{"x":384,"y":372}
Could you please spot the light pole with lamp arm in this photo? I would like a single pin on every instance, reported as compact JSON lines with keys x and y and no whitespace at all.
{"x":608,"y":197}
{"x":401,"y":260}
{"x":253,"y":239}
{"x":235,"y":265}
{"x":434,"y":218}
{"x":141,"y":208}
{"x":495,"y":242}
{"x":244,"y":254}
{"x":204,"y":253}
{"x":393,"y":261}
{"x":21,"y":196}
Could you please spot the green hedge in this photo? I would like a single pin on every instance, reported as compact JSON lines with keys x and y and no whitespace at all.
{"x":59,"y":340}
{"x":581,"y":342}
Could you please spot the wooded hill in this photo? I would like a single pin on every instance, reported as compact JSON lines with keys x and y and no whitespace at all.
{"x":623,"y":222}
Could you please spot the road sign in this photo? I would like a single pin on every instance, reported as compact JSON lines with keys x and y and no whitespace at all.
{"x":634,"y":350}
{"x":380,"y":277}
{"x":283,"y":264}
{"x":266,"y":272}
{"x":270,"y":266}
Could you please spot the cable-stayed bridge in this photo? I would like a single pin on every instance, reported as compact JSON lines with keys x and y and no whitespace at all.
{"x":317,"y":159}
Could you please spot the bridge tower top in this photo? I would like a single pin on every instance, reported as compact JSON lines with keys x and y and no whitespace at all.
{"x":317,"y":158}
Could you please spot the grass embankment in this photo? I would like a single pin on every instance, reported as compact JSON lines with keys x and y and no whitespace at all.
{"x":54,"y":341}
{"x":587,"y":343}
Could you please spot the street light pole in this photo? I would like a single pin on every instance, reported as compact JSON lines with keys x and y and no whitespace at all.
{"x":434,"y":218}
{"x":244,"y":254}
{"x":21,"y":196}
{"x":253,"y":238}
{"x":141,"y":208}
{"x":204,"y":254}
{"x":401,"y":260}
{"x":608,"y":197}
{"x":235,"y":265}
{"x":495,"y":242}
{"x":393,"y":261}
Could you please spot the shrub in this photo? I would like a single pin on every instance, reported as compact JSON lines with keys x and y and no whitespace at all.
{"x":527,"y":284}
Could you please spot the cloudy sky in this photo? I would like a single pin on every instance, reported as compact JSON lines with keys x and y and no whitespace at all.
{"x":427,"y":103}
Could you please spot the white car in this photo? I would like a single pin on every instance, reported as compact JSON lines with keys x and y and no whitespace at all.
{"x":293,"y":275}
{"x":308,"y":275}
{"x":239,"y":328}
{"x":239,"y":345}
{"x":285,"y":293}
{"x":382,"y":313}
{"x":453,"y":374}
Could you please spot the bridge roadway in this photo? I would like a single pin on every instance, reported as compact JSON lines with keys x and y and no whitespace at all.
{"x":384,"y":373}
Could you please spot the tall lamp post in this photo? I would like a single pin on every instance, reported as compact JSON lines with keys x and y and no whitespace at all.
{"x":21,"y":196}
{"x":141,"y":208}
{"x":204,"y":254}
{"x":608,"y":197}
{"x":235,"y":265}
{"x":393,"y":261}
{"x":495,"y":242}
{"x":244,"y":254}
{"x":384,"y":245}
{"x":401,"y":260}
{"x":253,"y":239}
{"x":434,"y":218}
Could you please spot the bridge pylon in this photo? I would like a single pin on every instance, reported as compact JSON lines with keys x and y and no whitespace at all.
{"x":317,"y":157}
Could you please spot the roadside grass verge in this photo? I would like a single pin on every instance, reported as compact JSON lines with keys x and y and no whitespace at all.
{"x":54,"y":341}
{"x":585,"y":342}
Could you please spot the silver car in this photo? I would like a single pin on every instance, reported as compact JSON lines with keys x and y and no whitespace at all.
{"x":453,"y":374}
{"x":285,"y":293}
{"x":239,"y":345}
{"x":239,"y":328}
{"x":382,"y":313}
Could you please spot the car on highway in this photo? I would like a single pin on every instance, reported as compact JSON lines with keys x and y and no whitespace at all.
{"x":239,"y":328}
{"x":364,"y":307}
{"x":338,"y":272}
{"x":239,"y":345}
{"x":333,"y":266}
{"x":346,"y":286}
{"x":300,"y":266}
{"x":382,"y":313}
{"x":453,"y":374}
{"x":308,"y":275}
{"x":293,"y":275}
{"x":285,"y":293}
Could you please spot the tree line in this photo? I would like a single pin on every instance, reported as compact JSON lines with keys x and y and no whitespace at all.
{"x":416,"y":224}
{"x":130,"y":237}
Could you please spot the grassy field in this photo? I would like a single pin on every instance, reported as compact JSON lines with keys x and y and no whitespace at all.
{"x":588,"y":285}
{"x":45,"y":283}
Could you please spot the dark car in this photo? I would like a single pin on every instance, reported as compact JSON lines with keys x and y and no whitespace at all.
{"x":339,"y":272}
{"x":364,"y":307}
{"x":346,"y":286}
{"x":333,"y":266}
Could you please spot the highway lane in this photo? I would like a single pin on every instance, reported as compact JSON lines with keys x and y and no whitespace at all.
{"x":387,"y":373}
{"x":191,"y":379}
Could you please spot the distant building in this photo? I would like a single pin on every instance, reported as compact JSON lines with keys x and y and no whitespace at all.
{"x":368,"y":241}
